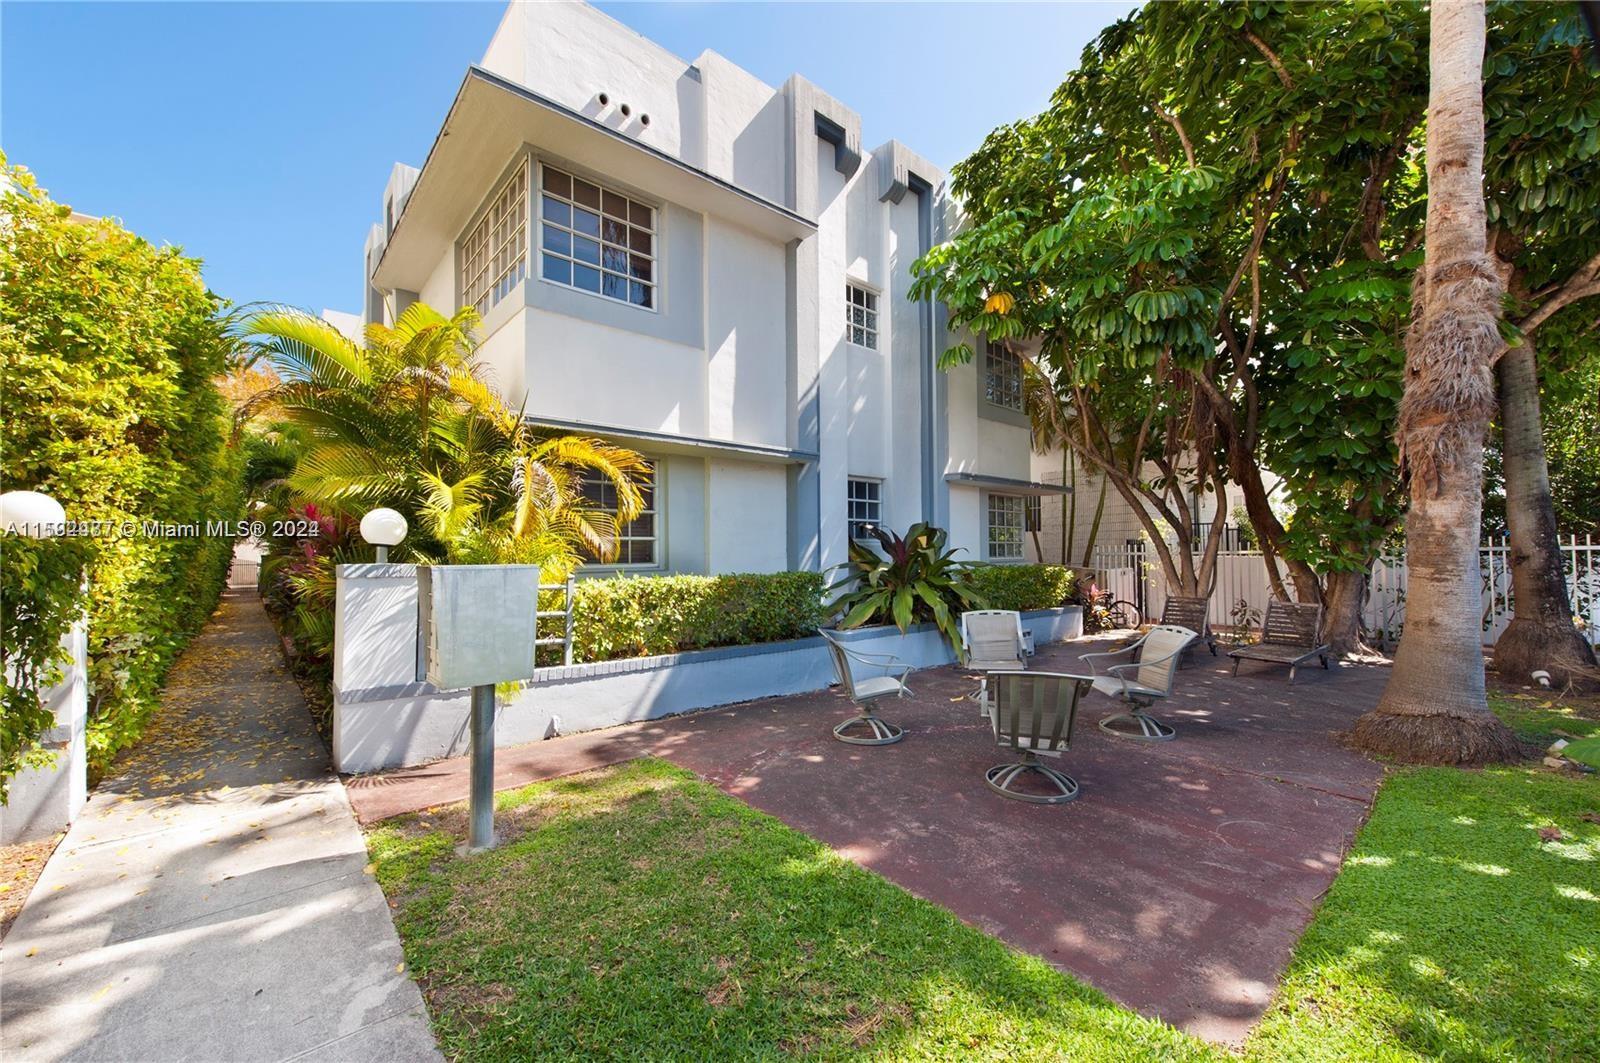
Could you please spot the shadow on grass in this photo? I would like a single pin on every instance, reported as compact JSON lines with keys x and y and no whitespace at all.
{"x":1456,"y":928}
{"x":636,"y":912}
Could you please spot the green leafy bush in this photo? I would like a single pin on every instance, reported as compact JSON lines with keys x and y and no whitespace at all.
{"x":638,"y":616}
{"x":1024,"y":587}
{"x":110,"y":349}
{"x":915,"y":578}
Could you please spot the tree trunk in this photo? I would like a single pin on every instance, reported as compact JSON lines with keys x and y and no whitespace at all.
{"x":1341,"y":612}
{"x":1542,"y":634}
{"x":1094,"y":525}
{"x":1069,"y":502}
{"x":1434,"y":708}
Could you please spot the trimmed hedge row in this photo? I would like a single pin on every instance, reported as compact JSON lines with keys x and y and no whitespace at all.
{"x":641,"y":616}
{"x":1023,"y":587}
{"x":110,"y":349}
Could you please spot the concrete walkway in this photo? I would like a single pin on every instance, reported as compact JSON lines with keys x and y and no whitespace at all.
{"x":212,"y":902}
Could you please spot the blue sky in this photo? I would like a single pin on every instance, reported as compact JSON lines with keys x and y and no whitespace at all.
{"x":258,"y":136}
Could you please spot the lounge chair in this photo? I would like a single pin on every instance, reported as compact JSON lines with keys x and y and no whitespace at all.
{"x":864,"y":692}
{"x":1147,"y":675}
{"x":1033,"y":715}
{"x":1192,"y":613}
{"x":992,"y":641}
{"x":1288,"y":636}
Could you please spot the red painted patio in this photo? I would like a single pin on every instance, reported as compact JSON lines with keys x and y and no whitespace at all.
{"x":1178,"y":882}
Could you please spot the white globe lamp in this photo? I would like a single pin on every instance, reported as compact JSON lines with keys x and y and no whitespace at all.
{"x":383,"y":528}
{"x":30,"y":513}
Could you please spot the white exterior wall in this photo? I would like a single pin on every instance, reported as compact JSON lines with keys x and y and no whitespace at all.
{"x":747,"y":346}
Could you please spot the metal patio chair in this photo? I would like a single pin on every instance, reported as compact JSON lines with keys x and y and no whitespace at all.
{"x":992,"y":640}
{"x":1288,"y":636}
{"x":1192,"y":613}
{"x":1146,"y":676}
{"x":1033,"y":715}
{"x":865,"y":692}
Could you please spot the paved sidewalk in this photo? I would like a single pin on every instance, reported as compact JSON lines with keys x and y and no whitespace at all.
{"x":212,"y":902}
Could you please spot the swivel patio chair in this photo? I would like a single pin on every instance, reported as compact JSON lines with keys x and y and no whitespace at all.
{"x":864,"y":692}
{"x":1146,"y":676}
{"x":1192,"y":613}
{"x":992,"y":641}
{"x":1033,"y":715}
{"x":1288,"y":636}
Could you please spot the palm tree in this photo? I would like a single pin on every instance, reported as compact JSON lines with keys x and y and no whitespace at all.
{"x":408,"y":420}
{"x":1434,"y":708}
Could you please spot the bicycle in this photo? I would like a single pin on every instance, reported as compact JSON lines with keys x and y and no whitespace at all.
{"x":1104,"y":611}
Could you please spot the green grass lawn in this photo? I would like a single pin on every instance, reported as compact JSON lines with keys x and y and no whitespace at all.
{"x":637,"y":912}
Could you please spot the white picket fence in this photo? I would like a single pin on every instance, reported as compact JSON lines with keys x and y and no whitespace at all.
{"x":1132,"y":573}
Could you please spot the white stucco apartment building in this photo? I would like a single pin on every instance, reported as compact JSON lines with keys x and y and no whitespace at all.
{"x":676,"y":256}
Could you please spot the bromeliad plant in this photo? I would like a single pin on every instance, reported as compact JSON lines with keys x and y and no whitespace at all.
{"x":915,"y":579}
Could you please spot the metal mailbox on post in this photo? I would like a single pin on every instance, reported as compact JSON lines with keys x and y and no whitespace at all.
{"x":475,"y":628}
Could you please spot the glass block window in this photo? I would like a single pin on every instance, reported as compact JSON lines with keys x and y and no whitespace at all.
{"x":596,"y":240}
{"x":863,"y":505}
{"x":494,"y":255}
{"x":636,"y":540}
{"x":1006,"y":520}
{"x":1002,"y":376}
{"x":861,"y":316}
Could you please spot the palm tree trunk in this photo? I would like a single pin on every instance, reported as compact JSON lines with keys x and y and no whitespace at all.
{"x":1542,"y":634}
{"x":1069,"y":526}
{"x":1434,"y":708}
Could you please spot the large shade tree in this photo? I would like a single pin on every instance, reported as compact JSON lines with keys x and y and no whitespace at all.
{"x":1196,"y":232}
{"x":1434,"y":707}
{"x":1542,"y":169}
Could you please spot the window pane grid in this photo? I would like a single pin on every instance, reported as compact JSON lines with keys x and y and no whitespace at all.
{"x":597,"y":240}
{"x":636,"y":540}
{"x":1002,"y":377}
{"x":861,"y":316}
{"x":863,"y":505}
{"x":1006,"y":520}
{"x":493,"y":256}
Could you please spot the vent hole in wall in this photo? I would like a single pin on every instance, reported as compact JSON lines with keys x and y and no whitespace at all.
{"x":604,"y":99}
{"x":644,"y":119}
{"x":626,"y":110}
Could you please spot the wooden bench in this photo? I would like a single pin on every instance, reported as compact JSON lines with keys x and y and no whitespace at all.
{"x":1289,"y":636}
{"x":1192,"y":613}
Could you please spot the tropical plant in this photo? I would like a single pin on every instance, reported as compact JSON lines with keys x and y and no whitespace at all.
{"x":916,"y":578}
{"x":408,"y":421}
{"x":1434,"y":707}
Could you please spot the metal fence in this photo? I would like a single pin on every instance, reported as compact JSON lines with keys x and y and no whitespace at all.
{"x":564,"y":614}
{"x":1239,"y":597}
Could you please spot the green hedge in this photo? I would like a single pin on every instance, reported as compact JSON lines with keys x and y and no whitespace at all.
{"x":1024,"y":586}
{"x":111,"y":349}
{"x":640,"y":616}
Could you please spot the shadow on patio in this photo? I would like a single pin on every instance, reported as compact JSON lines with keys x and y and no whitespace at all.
{"x":1178,"y":882}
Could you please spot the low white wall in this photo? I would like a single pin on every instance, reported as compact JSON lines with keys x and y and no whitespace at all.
{"x":384,"y":718}
{"x":42,"y":801}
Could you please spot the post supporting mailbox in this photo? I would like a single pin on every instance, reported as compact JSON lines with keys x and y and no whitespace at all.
{"x":476,"y":628}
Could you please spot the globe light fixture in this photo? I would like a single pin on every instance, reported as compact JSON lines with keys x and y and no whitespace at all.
{"x":383,"y":528}
{"x":30,"y":513}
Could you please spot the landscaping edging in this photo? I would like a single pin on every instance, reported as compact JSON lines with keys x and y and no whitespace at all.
{"x":383,"y":718}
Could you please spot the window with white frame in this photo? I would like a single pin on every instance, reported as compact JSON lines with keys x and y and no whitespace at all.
{"x":864,"y":505}
{"x":636,"y":540}
{"x":494,"y":254}
{"x":1035,"y":513}
{"x":596,"y":240}
{"x":1002,"y":376}
{"x":861,"y":315}
{"x":1006,"y":522}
